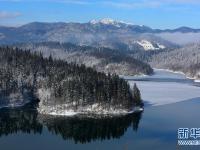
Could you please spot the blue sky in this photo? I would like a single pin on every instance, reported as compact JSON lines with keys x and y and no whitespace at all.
{"x":154,"y":13}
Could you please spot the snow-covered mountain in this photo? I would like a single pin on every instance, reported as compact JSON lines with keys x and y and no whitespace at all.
{"x":101,"y":33}
{"x":97,"y":33}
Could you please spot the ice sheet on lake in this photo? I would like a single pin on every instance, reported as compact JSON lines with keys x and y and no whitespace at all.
{"x":161,"y":93}
{"x":159,"y":73}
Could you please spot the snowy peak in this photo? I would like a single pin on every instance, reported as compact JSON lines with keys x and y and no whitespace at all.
{"x":147,"y":45}
{"x":108,"y":21}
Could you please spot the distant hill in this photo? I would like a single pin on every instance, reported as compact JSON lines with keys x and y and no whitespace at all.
{"x":102,"y":59}
{"x":186,"y":59}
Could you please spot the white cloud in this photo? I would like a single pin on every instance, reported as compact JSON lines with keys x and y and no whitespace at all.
{"x":8,"y":15}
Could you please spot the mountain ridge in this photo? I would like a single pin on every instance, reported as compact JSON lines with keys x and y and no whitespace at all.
{"x":105,"y":33}
{"x":109,"y":21}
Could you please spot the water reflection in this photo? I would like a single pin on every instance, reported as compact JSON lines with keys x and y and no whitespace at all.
{"x":80,"y":129}
{"x":17,"y":120}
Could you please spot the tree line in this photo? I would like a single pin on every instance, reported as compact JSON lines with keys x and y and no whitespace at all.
{"x":24,"y":73}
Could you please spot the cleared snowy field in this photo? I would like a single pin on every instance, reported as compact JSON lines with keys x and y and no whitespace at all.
{"x":160,"y":93}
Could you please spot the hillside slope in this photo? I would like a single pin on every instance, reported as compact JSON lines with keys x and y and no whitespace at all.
{"x":102,"y":59}
{"x":186,"y":59}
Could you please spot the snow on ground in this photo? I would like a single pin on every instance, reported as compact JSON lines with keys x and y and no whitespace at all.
{"x":149,"y":46}
{"x":67,"y":109}
{"x":161,"y":93}
{"x":64,"y":110}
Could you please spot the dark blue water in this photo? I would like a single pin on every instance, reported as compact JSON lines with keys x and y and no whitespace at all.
{"x":155,"y":128}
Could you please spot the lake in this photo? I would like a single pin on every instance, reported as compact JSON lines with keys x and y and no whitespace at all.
{"x":171,"y":102}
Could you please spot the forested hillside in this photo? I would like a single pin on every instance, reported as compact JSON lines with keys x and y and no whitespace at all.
{"x":102,"y":59}
{"x":186,"y":59}
{"x":60,"y":85}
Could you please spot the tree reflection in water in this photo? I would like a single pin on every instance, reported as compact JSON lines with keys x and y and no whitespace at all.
{"x":80,"y":129}
{"x":17,"y":120}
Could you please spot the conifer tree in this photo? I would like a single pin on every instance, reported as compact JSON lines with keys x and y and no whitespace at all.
{"x":137,"y":96}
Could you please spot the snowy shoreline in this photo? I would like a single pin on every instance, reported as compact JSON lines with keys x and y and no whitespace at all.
{"x":54,"y":111}
{"x":179,"y":72}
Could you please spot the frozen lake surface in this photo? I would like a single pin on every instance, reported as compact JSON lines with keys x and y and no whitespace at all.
{"x":165,"y":87}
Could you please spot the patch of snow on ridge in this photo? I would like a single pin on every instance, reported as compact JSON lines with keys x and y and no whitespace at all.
{"x":104,"y":21}
{"x":149,"y":46}
{"x":108,"y":21}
